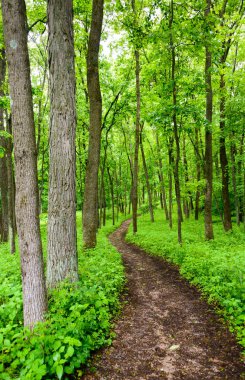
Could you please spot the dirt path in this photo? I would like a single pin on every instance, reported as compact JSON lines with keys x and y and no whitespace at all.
{"x":166,"y":331}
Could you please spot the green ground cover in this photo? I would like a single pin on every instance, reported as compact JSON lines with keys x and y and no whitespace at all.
{"x":216,"y":267}
{"x":79,"y":319}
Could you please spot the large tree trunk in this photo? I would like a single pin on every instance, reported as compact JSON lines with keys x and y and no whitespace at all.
{"x":208,"y":140}
{"x":62,"y":254}
{"x":3,"y":160}
{"x":90,"y":212}
{"x":28,"y":226}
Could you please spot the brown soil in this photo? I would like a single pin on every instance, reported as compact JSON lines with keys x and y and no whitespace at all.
{"x":166,"y":331}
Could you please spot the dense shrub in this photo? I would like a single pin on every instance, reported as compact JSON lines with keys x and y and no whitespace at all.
{"x":79,"y":319}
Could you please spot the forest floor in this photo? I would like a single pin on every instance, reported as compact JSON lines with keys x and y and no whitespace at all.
{"x":166,"y":330}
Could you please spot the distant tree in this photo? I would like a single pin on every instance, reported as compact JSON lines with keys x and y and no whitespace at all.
{"x":90,"y":205}
{"x":208,"y":135}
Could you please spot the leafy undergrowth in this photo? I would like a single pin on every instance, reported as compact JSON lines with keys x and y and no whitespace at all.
{"x":216,"y":267}
{"x":79,"y":319}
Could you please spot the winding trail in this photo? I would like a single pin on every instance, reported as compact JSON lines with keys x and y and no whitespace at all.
{"x":166,"y":331}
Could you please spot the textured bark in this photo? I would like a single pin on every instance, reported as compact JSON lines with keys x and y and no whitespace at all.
{"x":136,"y":147}
{"x":11,"y":192}
{"x":90,"y":212}
{"x":208,"y":139}
{"x":147,"y":181}
{"x":3,"y":160}
{"x":62,"y":254}
{"x":41,"y":183}
{"x":33,"y":283}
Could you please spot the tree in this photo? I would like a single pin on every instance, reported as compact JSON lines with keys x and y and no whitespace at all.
{"x":174,"y":116}
{"x":3,"y":160}
{"x":146,"y":177}
{"x":137,"y":127}
{"x":62,"y":254}
{"x":33,"y":282}
{"x":208,"y":135}
{"x":90,"y":206}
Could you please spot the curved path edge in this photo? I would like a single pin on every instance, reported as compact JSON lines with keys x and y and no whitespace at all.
{"x":166,"y":331}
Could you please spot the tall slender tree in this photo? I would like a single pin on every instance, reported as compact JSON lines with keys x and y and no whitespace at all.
{"x":90,"y":206}
{"x":137,"y":129}
{"x":208,"y":134}
{"x":174,"y":118}
{"x":33,"y":283}
{"x":62,"y":254}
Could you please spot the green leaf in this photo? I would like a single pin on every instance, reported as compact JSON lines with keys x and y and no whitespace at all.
{"x":59,"y":371}
{"x":56,"y":356}
{"x":57,"y":345}
{"x":70,"y":351}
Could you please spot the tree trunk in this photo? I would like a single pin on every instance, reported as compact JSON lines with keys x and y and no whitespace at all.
{"x":170,"y":196}
{"x":147,"y":180}
{"x":198,"y":173}
{"x":224,"y":160}
{"x":112,"y":195}
{"x":163,"y":192}
{"x":3,"y":160}
{"x":176,"y":134}
{"x":208,"y":139}
{"x":240,"y":175}
{"x":233,"y":176}
{"x":62,"y":253}
{"x":90,"y":212}
{"x":136,"y":149}
{"x":28,"y":226}
{"x":11,"y":195}
{"x":188,"y":199}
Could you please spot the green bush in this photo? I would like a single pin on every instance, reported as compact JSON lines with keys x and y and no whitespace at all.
{"x":216,"y":267}
{"x":79,"y":319}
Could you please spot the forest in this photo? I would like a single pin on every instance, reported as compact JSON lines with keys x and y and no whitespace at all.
{"x":122,"y":117}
